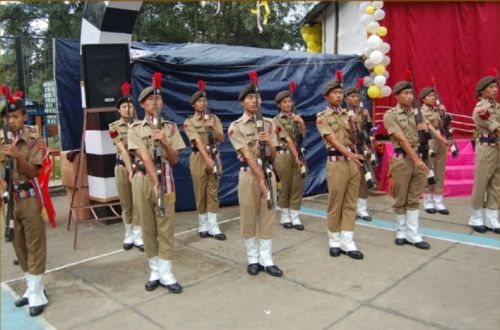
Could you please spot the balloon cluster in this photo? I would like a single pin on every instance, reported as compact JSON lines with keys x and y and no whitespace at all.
{"x":376,"y":50}
{"x":312,"y":35}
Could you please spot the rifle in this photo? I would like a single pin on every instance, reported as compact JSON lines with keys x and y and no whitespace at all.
{"x":264,"y":160}
{"x":211,"y":147}
{"x":357,"y":138}
{"x":298,"y":139}
{"x":445,"y":124}
{"x":423,"y":136}
{"x":158,"y":146}
{"x":366,"y":132}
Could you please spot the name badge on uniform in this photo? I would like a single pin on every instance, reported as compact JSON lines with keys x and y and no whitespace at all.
{"x":250,"y":134}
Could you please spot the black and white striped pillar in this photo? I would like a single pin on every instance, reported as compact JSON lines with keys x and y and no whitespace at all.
{"x":104,"y":22}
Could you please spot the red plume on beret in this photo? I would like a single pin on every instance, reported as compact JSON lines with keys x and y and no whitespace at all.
{"x":492,"y":71}
{"x":339,"y":76}
{"x":201,"y":86}
{"x":7,"y":92}
{"x":293,"y":86}
{"x":408,"y":75}
{"x":126,"y":87}
{"x":254,"y":78}
{"x":360,"y":84}
{"x":157,"y":80}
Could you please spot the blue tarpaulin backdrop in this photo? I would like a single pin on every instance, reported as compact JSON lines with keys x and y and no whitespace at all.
{"x":225,"y":71}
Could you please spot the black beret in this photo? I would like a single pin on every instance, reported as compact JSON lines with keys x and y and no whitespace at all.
{"x":196,"y":96}
{"x":483,"y":83}
{"x":123,"y":99}
{"x":333,"y":84}
{"x":425,"y":91}
{"x":18,"y":104}
{"x":281,"y":96}
{"x":145,"y":93}
{"x":248,"y":89}
{"x":400,"y":86}
{"x":351,"y":90}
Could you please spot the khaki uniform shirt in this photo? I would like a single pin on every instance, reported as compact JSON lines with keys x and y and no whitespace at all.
{"x":243,"y":133}
{"x":31,"y":147}
{"x":433,"y":115}
{"x":489,"y":125}
{"x":118,"y":130}
{"x":399,"y":119}
{"x":141,"y":136}
{"x":284,"y":127}
{"x":194,"y":127}
{"x":336,"y":122}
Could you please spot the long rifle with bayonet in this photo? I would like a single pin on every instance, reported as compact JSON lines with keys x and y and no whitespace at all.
{"x":445,"y":124}
{"x":423,"y":135}
{"x":264,"y":157}
{"x":212,"y":148}
{"x":8,"y":195}
{"x":298,"y":138}
{"x":158,"y":146}
{"x":367,"y":129}
{"x":357,"y":138}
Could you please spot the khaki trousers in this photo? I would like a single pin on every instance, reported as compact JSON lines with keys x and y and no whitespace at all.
{"x":292,"y":184}
{"x":409,"y":183}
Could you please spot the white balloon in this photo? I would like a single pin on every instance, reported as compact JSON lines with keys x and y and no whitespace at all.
{"x":363,"y":5}
{"x":368,"y":81}
{"x":365,"y":19}
{"x":386,"y":74}
{"x":373,"y":27}
{"x":386,"y":91}
{"x":376,"y":57}
{"x":374,"y":41}
{"x":385,"y":47}
{"x":379,"y":14}
{"x":366,"y":51}
{"x":369,"y":64}
{"x":386,"y":60}
{"x":379,"y":80}
{"x":377,"y":4}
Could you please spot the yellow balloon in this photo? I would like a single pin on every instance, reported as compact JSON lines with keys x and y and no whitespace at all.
{"x":382,"y":31}
{"x":370,"y":10}
{"x":373,"y":92}
{"x":379,"y":69}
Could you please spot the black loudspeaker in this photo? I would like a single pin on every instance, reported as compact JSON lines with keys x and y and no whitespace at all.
{"x":105,"y":68}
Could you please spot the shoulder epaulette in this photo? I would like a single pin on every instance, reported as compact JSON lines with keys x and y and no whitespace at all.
{"x":135,"y":123}
{"x":321,"y":113}
{"x":114,"y":123}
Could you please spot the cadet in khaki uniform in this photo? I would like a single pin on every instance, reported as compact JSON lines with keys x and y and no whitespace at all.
{"x":342,"y":172}
{"x":124,"y":173}
{"x":30,"y":243}
{"x":486,"y":115}
{"x":205,"y":184}
{"x":408,"y":169}
{"x":252,"y":191}
{"x":354,"y":99}
{"x":158,"y":232}
{"x":287,"y":162}
{"x":433,"y":195}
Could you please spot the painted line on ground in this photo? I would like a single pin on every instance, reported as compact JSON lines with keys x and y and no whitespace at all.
{"x":443,"y":235}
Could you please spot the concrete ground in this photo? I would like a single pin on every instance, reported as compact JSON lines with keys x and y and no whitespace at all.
{"x":455,"y":285}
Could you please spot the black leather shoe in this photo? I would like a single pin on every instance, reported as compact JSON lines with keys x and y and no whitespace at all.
{"x":364,"y":218}
{"x":174,"y":288}
{"x":400,"y":241}
{"x":287,"y":225}
{"x":36,"y":310}
{"x":127,"y":246}
{"x":272,"y":270}
{"x":204,"y":234}
{"x":219,"y":237}
{"x":140,"y":247}
{"x":253,"y":269}
{"x":495,"y":230}
{"x":21,"y":302}
{"x":299,"y":227}
{"x":353,"y":254}
{"x":444,"y":211}
{"x":431,"y":211}
{"x":422,"y":245}
{"x":151,"y":285}
{"x":479,"y":229}
{"x":335,"y":251}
